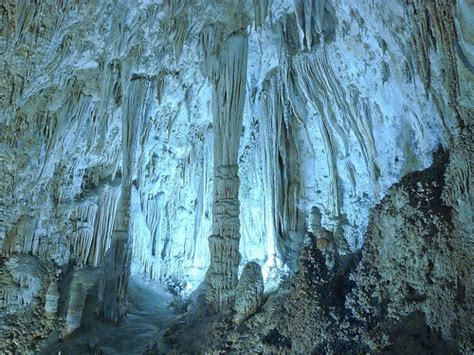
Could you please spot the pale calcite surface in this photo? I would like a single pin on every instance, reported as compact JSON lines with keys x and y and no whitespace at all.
{"x":342,"y":99}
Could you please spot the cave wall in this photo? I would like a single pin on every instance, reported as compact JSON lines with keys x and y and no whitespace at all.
{"x":409,"y":290}
{"x":336,"y":111}
{"x":341,"y":101}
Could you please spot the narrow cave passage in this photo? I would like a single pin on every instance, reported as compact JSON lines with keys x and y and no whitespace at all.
{"x":149,"y":314}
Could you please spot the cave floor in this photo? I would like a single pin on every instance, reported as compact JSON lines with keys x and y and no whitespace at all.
{"x":149,"y":314}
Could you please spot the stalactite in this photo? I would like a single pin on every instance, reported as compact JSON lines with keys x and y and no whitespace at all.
{"x":148,"y":244}
{"x":20,"y":239}
{"x":261,"y":11}
{"x":103,"y":228}
{"x":303,"y":70}
{"x":307,"y":15}
{"x":316,"y":21}
{"x":177,"y":24}
{"x":281,"y":160}
{"x":164,"y":250}
{"x":315,"y":81}
{"x":85,"y":230}
{"x":435,"y":29}
{"x":228,"y":102}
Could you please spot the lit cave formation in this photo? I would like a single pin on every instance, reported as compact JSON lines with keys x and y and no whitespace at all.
{"x":236,"y":177}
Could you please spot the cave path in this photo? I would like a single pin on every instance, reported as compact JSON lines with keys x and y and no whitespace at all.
{"x":148,"y":315}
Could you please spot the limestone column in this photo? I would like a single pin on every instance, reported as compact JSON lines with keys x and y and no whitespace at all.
{"x":113,"y":287}
{"x":228,"y":97}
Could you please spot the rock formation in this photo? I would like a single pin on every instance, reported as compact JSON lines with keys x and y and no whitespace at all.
{"x":407,"y":292}
{"x":413,"y":264}
{"x":300,"y":168}
{"x":52,"y":299}
{"x":249,"y":292}
{"x":117,"y":266}
{"x":228,"y":97}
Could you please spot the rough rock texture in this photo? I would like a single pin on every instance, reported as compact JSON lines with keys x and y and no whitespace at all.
{"x":320,"y":125}
{"x":123,"y":147}
{"x":415,"y":264}
{"x":249,"y":292}
{"x":303,"y":316}
{"x":24,"y":285}
{"x":409,"y":291}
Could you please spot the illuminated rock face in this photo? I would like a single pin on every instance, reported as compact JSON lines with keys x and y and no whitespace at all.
{"x":246,"y":116}
{"x":334,"y":113}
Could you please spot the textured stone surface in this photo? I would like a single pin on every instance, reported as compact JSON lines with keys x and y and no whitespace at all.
{"x":415,"y":262}
{"x":228,"y":76}
{"x":24,"y":282}
{"x":124,"y":147}
{"x":52,"y":298}
{"x":321,"y":127}
{"x":408,"y":291}
{"x":249,"y":292}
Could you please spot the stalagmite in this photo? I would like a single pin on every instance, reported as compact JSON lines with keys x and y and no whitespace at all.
{"x":77,"y":299}
{"x":324,"y":238}
{"x":52,"y":298}
{"x":249,"y":292}
{"x":228,"y":97}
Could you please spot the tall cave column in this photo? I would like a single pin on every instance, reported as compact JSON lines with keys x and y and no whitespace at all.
{"x":228,"y":97}
{"x":113,"y":287}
